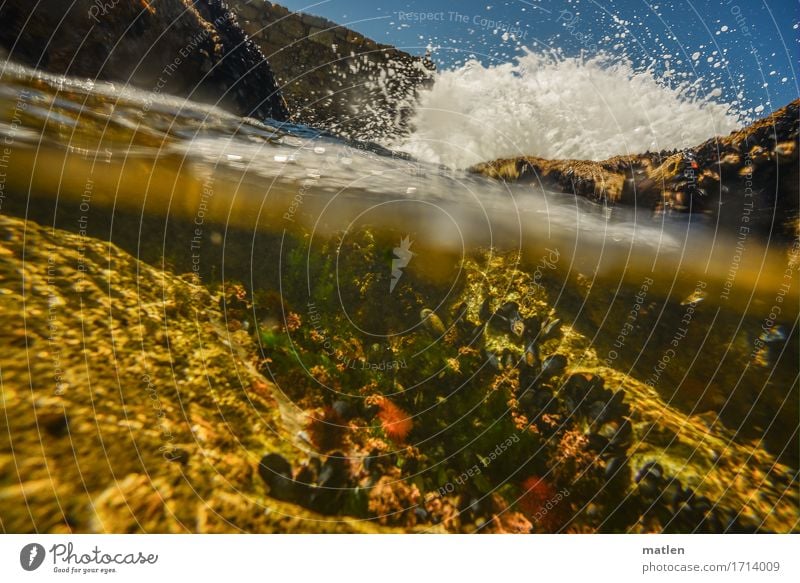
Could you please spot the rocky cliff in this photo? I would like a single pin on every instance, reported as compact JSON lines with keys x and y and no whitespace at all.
{"x":333,"y":77}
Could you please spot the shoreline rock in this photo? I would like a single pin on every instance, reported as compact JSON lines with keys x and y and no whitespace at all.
{"x":151,"y":391}
{"x":761,"y":159}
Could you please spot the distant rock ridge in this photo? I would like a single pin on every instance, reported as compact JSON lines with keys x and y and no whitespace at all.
{"x":760,"y":161}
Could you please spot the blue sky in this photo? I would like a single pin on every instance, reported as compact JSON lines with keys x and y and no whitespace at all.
{"x":746,"y":49}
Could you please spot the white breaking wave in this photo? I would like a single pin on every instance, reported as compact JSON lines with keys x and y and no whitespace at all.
{"x":555,"y":107}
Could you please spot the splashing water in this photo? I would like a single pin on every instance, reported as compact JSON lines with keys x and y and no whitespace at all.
{"x":166,"y":157}
{"x":557,"y":107}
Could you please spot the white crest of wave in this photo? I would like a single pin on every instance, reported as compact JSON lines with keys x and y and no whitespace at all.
{"x":557,"y":107}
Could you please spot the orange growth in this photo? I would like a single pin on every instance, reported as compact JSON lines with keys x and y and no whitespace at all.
{"x":396,"y":423}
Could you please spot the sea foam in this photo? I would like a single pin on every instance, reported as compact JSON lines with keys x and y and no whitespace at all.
{"x":560,"y":107}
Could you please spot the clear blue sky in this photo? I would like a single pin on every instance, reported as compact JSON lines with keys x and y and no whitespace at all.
{"x":748,"y":48}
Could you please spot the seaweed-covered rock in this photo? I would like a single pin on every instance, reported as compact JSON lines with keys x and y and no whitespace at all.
{"x":756,"y":166}
{"x":128,"y":407}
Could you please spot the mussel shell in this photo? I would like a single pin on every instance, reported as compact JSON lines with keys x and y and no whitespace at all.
{"x":509,"y":311}
{"x":533,"y":329}
{"x":277,"y":474}
{"x":343,"y":409}
{"x":432,"y":322}
{"x":649,"y":487}
{"x":485,"y":312}
{"x":531,"y":359}
{"x":334,"y":472}
{"x":597,"y":412}
{"x":553,"y":365}
{"x":617,"y":468}
{"x":550,"y":329}
{"x":653,"y":469}
{"x":622,"y":438}
{"x":517,"y":326}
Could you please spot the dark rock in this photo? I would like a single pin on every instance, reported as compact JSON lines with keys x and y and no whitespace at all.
{"x":550,"y":329}
{"x":649,"y":480}
{"x":536,"y":401}
{"x":486,"y":311}
{"x":653,"y":469}
{"x":332,"y":485}
{"x":55,"y":424}
{"x":621,"y":439}
{"x":343,"y":409}
{"x":335,"y":78}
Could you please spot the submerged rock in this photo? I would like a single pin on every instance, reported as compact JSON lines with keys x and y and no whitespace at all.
{"x":124,"y":368}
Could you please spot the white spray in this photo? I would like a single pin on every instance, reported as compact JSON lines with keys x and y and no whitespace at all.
{"x":558,"y":107}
